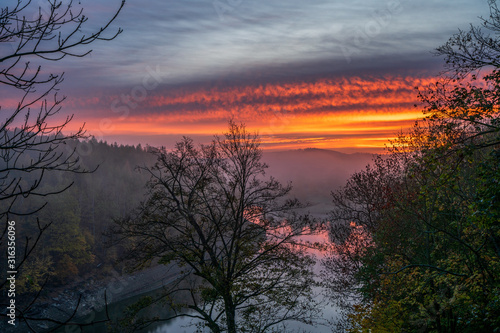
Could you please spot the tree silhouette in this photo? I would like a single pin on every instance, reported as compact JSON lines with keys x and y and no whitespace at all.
{"x":429,"y":209}
{"x":212,"y":214}
{"x":31,"y":140}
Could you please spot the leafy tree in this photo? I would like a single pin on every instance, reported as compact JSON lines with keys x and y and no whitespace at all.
{"x":429,"y":209}
{"x":211,"y":213}
{"x":425,"y":260}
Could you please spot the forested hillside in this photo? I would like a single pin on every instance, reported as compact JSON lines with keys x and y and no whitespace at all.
{"x":417,"y":234}
{"x":74,"y":244}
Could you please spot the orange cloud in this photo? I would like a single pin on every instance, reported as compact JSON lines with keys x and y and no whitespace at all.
{"x":327,"y":113}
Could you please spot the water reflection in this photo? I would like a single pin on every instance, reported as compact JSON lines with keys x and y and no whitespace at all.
{"x":179,"y":325}
{"x":188,"y":325}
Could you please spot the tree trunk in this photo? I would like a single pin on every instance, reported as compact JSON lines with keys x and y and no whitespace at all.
{"x":230,"y":314}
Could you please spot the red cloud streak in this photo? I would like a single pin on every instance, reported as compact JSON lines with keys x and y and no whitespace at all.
{"x":326,"y":113}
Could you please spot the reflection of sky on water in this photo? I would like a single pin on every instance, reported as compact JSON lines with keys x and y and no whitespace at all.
{"x":182,"y":325}
{"x":179,"y":325}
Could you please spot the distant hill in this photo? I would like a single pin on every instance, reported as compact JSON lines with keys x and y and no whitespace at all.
{"x":314,"y":173}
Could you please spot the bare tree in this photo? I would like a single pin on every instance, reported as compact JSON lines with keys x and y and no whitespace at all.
{"x":233,"y":234}
{"x":476,"y":48}
{"x":31,"y":142}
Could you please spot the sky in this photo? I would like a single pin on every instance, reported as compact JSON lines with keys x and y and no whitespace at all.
{"x":328,"y":74}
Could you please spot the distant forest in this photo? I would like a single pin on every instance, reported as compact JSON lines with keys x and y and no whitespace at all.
{"x":75,"y":244}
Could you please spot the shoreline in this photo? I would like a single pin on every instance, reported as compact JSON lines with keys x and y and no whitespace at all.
{"x":62,"y":305}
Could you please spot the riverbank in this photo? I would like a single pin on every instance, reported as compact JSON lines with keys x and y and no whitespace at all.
{"x":84,"y":296}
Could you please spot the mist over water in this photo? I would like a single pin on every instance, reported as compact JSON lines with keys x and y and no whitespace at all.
{"x":314,"y":173}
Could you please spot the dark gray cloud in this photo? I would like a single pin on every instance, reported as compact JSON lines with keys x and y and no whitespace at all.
{"x":196,"y":40}
{"x":193,"y":40}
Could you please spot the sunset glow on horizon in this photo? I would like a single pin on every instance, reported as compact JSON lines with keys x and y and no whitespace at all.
{"x":360,"y":113}
{"x":319,"y":74}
